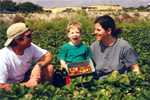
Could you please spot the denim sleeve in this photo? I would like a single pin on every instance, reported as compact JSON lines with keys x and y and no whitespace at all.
{"x":130,"y":57}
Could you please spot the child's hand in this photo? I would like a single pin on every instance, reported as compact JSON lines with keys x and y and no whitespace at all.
{"x":64,"y":67}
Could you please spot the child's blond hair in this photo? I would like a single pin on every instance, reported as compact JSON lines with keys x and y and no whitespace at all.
{"x":74,"y":24}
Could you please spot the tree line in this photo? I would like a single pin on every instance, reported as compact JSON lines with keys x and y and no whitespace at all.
{"x":9,"y":6}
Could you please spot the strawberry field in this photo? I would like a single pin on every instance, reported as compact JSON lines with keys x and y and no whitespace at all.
{"x":51,"y":35}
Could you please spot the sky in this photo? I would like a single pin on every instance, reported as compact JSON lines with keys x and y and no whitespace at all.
{"x":62,"y":3}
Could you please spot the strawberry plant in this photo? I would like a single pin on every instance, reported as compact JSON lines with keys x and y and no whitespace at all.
{"x":51,"y":35}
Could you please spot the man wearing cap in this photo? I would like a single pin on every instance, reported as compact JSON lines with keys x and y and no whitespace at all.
{"x":17,"y":56}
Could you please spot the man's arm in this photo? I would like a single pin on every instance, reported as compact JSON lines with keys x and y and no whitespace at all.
{"x":43,"y":62}
{"x":36,"y":72}
{"x":45,"y":59}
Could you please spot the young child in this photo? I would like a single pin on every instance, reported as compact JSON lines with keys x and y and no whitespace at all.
{"x":74,"y":51}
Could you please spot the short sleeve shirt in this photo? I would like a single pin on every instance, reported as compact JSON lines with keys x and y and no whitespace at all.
{"x":13,"y":67}
{"x":74,"y":53}
{"x":117,"y":57}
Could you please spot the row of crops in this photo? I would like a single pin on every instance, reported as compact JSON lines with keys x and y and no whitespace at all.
{"x":51,"y":35}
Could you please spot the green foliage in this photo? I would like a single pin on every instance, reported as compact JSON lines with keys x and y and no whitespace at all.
{"x":28,"y":7}
{"x":3,"y":28}
{"x":7,"y":5}
{"x":10,"y":6}
{"x":51,"y":35}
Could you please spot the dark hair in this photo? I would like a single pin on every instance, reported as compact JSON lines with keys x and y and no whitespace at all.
{"x":108,"y":22}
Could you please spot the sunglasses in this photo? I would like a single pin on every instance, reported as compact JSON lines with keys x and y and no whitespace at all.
{"x":24,"y":36}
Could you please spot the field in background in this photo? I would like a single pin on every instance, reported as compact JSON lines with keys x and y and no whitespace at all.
{"x":49,"y":34}
{"x":49,"y":16}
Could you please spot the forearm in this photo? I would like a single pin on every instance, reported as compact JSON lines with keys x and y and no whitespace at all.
{"x":43,"y":62}
{"x":45,"y":59}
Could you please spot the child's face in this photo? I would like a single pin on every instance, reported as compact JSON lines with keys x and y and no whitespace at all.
{"x":74,"y":35}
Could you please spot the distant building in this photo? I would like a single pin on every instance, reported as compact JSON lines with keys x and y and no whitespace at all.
{"x":62,"y":9}
{"x":103,"y":8}
{"x":47,"y":10}
{"x":86,"y":8}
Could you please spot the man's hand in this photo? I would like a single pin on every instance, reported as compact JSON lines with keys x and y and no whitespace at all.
{"x":31,"y":83}
{"x":5,"y":86}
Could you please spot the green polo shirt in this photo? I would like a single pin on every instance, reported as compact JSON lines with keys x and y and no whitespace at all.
{"x":74,"y":53}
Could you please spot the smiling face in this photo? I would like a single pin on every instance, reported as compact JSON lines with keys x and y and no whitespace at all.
{"x":100,"y":32}
{"x":74,"y":35}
